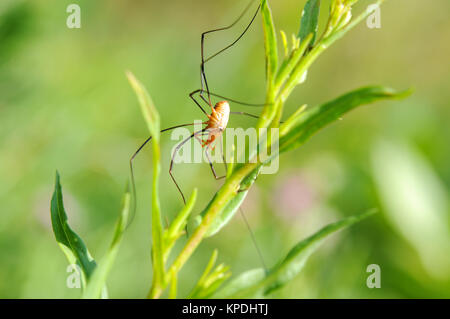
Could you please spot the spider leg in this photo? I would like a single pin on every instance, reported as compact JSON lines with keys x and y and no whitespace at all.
{"x":203,"y":81}
{"x":208,"y":148}
{"x":177,"y":148}
{"x":132,"y":179}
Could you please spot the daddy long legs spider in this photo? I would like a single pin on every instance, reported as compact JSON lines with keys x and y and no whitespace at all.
{"x":217,"y":120}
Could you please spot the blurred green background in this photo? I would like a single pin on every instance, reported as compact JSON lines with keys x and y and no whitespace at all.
{"x":65,"y":104}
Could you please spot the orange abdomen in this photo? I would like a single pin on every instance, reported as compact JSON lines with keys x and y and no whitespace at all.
{"x":218,"y":121}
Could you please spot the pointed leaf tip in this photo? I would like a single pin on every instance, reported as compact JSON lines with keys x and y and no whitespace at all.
{"x":310,"y":20}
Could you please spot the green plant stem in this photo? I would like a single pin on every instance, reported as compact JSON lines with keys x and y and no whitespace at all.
{"x":278,"y":90}
{"x":157,"y":230}
{"x":286,"y":69}
{"x":228,"y":190}
{"x":299,"y":70}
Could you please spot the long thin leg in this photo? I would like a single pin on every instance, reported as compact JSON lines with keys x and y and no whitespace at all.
{"x":250,"y":115}
{"x":225,"y":98}
{"x":203,"y":81}
{"x":191,"y":95}
{"x":246,"y":114}
{"x":240,"y":36}
{"x":177,"y":148}
{"x":200,"y":139}
{"x":223,"y":155}
{"x":133,"y":184}
{"x":252,"y":235}
{"x":209,"y":158}
{"x":211,"y":164}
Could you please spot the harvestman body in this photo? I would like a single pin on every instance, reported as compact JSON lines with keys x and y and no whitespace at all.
{"x":218,"y":121}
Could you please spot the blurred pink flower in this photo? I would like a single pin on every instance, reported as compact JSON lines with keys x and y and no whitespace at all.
{"x":292,"y":196}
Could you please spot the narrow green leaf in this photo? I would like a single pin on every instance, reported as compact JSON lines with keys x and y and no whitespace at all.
{"x":299,"y":254}
{"x":271,"y":50}
{"x":198,"y":287}
{"x":292,"y":120}
{"x":152,"y":119}
{"x":71,"y":244}
{"x":290,"y":266}
{"x":289,"y":65}
{"x":97,"y":283}
{"x":310,"y":20}
{"x":211,"y":279}
{"x":315,"y":118}
{"x":240,"y":283}
{"x":180,"y":221}
{"x":226,"y":215}
{"x":177,"y":227}
{"x":270,"y":40}
{"x":300,"y":70}
{"x":151,"y":116}
{"x":285,"y":43}
{"x":231,"y":208}
{"x":220,"y":274}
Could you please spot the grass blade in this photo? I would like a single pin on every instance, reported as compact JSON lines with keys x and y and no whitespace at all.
{"x":96,"y":285}
{"x":71,"y":244}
